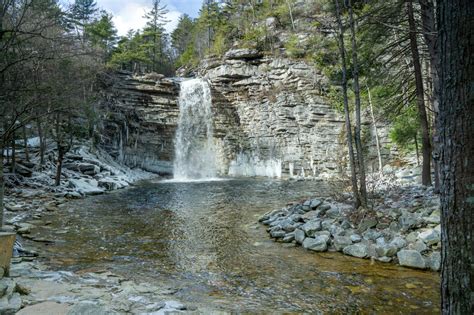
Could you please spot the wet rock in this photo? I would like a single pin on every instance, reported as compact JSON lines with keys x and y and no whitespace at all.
{"x":430,"y":237}
{"x":384,"y":259}
{"x":411,"y":258}
{"x":340,"y":242}
{"x":311,"y":227}
{"x":108,"y":184}
{"x":290,"y":237}
{"x":299,"y":236}
{"x":319,"y":243}
{"x":357,"y":250}
{"x":386,"y":250}
{"x":278,"y":234}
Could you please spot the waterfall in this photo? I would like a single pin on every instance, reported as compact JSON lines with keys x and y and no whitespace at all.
{"x":195,"y":156}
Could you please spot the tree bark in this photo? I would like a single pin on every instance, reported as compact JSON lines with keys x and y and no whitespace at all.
{"x":342,"y":52}
{"x":357,"y":133}
{"x":430,"y":30}
{"x":13,"y":164}
{"x":25,"y":144}
{"x":456,"y":129}
{"x":42,"y":145}
{"x":2,"y":185}
{"x":420,"y":99}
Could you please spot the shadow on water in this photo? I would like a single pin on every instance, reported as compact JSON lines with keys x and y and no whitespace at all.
{"x":202,"y":237}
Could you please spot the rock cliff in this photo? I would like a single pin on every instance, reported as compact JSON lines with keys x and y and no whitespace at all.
{"x":271,"y":118}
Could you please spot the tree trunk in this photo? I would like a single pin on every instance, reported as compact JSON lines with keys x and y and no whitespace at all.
{"x":59,"y":166}
{"x":420,"y":99}
{"x":25,"y":144}
{"x":13,"y":144}
{"x":357,"y":135}
{"x":42,"y":140}
{"x":417,"y":151}
{"x":377,"y":140}
{"x":2,"y":185}
{"x":456,"y":129}
{"x":429,"y":34}
{"x":342,"y":52}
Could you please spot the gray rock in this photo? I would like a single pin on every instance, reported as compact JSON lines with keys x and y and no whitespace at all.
{"x":278,"y":234}
{"x":357,"y":250}
{"x":323,"y":208}
{"x":408,"y":221}
{"x":386,"y":250}
{"x":315,"y":203}
{"x":411,"y":258}
{"x":367,"y":224}
{"x":108,"y":184}
{"x":434,"y":261}
{"x":412,"y":237}
{"x":299,"y":236}
{"x":89,"y":308}
{"x":2,"y":272}
{"x":336,"y":230}
{"x":398,"y":242}
{"x":333,"y":213}
{"x":384,"y":259}
{"x":290,"y":237}
{"x":371,"y":234}
{"x":430,"y":237}
{"x":318,"y":244}
{"x":295,"y":217}
{"x":310,"y":215}
{"x":356,"y":238}
{"x":419,"y":246}
{"x":10,"y":305}
{"x":311,"y":227}
{"x":326,"y":224}
{"x":3,"y":289}
{"x":243,"y":53}
{"x":340,"y":242}
{"x":287,"y":225}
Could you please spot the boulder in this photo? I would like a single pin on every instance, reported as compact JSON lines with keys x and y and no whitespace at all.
{"x":299,"y":236}
{"x":311,"y":227}
{"x":315,"y":203}
{"x":357,"y":250}
{"x":310,"y":215}
{"x":367,"y":224}
{"x":434,"y":261}
{"x":340,"y":242}
{"x":107,"y":184}
{"x":430,"y":237}
{"x":319,"y":243}
{"x":386,"y":250}
{"x":356,"y":238}
{"x":88,"y":169}
{"x":411,"y":258}
{"x":398,"y":242}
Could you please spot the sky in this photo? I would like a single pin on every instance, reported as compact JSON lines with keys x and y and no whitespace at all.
{"x":128,"y":14}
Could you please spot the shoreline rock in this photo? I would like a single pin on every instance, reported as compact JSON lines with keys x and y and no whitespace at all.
{"x":402,"y":228}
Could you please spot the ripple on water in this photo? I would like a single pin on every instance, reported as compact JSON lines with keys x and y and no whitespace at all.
{"x":202,"y":237}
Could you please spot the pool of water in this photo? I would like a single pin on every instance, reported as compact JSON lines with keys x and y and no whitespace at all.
{"x":203,"y":238}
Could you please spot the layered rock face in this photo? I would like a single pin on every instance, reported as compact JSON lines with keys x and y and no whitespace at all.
{"x":139,"y":120}
{"x":272,"y":117}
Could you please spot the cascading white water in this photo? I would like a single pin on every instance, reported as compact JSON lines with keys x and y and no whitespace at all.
{"x":195,"y":156}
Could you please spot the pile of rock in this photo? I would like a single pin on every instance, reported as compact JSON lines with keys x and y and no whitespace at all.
{"x":403,"y":228}
{"x":10,"y":295}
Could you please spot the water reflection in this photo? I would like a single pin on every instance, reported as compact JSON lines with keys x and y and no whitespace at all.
{"x":203,"y":238}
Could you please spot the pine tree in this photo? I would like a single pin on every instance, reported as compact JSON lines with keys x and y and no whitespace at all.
{"x":155,"y":32}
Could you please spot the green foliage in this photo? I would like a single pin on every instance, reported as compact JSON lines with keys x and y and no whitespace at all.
{"x":102,"y":32}
{"x":405,"y":129}
{"x":294,"y":48}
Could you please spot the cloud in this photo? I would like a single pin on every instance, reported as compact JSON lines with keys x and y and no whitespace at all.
{"x":129,"y":14}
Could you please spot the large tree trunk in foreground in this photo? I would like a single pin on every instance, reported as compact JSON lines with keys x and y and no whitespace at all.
{"x":420,"y":98}
{"x":456,"y":131}
{"x":342,"y":52}
{"x":2,"y":185}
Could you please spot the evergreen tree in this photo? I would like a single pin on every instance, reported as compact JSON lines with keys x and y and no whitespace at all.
{"x":102,"y":33}
{"x":154,"y":33}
